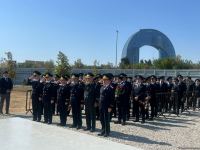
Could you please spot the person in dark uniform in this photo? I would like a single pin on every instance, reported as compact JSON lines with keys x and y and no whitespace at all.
{"x":175,"y":96}
{"x":139,"y":94}
{"x":152,"y":89}
{"x":90,"y":102}
{"x":98,"y":84}
{"x":47,"y":98}
{"x":122,"y":95}
{"x":195,"y":93}
{"x":6,"y":86}
{"x":55,"y":83}
{"x":170,"y":85}
{"x":182,"y":87}
{"x":63,"y":99}
{"x":163,"y":99}
{"x":189,"y":90}
{"x":76,"y":101}
{"x":36,"y":96}
{"x":106,"y":104}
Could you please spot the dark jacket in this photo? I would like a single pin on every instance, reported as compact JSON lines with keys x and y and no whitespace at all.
{"x":106,"y":98}
{"x":5,"y":84}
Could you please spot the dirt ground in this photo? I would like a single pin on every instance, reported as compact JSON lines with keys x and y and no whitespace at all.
{"x":18,"y":99}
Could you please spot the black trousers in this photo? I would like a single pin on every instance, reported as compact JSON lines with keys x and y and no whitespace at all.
{"x":122,"y":112}
{"x":139,"y":109}
{"x":154,"y":108}
{"x":76,"y":113}
{"x":90,"y":117}
{"x":105,"y":122}
{"x":47,"y":111}
{"x":63,"y":113}
{"x":3,"y":98}
{"x":37,"y":107}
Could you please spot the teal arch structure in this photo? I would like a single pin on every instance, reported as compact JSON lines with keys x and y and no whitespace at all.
{"x":148,"y":37}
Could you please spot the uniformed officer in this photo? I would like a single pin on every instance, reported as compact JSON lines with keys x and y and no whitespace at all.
{"x":189,"y":90}
{"x":175,"y":95}
{"x":55,"y":83}
{"x":182,"y":87}
{"x":76,"y":100}
{"x":139,"y":94}
{"x":152,"y":89}
{"x":36,"y":96}
{"x":63,"y":99}
{"x":106,"y":104}
{"x":90,"y":102}
{"x":196,"y":93}
{"x":122,"y":95}
{"x":98,"y":84}
{"x":47,"y":98}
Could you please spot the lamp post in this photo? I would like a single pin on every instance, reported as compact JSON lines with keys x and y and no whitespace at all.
{"x":116,"y":48}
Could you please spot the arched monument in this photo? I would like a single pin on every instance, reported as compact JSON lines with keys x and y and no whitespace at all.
{"x":148,"y":37}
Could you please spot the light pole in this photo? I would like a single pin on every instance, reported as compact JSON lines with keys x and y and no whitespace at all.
{"x":116,"y":48}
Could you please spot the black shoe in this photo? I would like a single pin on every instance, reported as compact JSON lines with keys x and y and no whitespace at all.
{"x":45,"y":121}
{"x":92,"y":130}
{"x":49,"y":122}
{"x":100,"y":134}
{"x":72,"y":126}
{"x":123,"y":123}
{"x":106,"y":135}
{"x":150,"y":119}
{"x":86,"y":129}
{"x":136,"y":120}
{"x":117,"y":122}
{"x":79,"y":127}
{"x":142,"y":121}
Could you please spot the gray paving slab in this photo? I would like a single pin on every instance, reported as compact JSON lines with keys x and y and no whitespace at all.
{"x":22,"y":134}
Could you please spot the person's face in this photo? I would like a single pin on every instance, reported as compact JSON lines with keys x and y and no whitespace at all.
{"x":153,"y":80}
{"x":106,"y":82}
{"x":88,"y":80}
{"x":74,"y":79}
{"x":63,"y":81}
{"x":197,"y":82}
{"x":5,"y":75}
{"x":48,"y":78}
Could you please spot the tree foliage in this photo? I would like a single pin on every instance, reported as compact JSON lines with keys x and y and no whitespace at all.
{"x":62,"y":64}
{"x":10,"y":65}
{"x":78,"y":64}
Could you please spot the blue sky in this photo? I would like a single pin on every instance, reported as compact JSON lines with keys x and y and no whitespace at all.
{"x":86,"y":29}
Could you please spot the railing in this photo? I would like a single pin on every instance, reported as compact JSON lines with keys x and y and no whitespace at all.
{"x":28,"y":101}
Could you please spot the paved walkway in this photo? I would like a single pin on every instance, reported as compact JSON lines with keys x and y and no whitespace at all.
{"x":22,"y":134}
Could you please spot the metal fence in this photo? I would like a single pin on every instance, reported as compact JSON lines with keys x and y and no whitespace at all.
{"x":23,"y":73}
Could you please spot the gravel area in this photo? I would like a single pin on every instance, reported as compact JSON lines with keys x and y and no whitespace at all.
{"x":172,"y":132}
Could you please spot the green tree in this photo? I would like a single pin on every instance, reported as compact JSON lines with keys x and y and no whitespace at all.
{"x":125,"y":64}
{"x":62,"y":64}
{"x":10,"y":65}
{"x":78,"y":64}
{"x":95,"y":67}
{"x":49,"y":65}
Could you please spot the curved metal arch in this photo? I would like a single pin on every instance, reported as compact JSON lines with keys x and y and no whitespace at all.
{"x":148,"y":37}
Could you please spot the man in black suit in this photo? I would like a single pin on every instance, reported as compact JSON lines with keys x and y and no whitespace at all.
{"x":105,"y":104}
{"x":90,"y":102}
{"x":6,"y":85}
{"x":139,"y":94}
{"x":37,"y":86}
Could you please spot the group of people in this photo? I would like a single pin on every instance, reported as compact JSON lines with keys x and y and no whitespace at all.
{"x":6,"y":85}
{"x":105,"y":96}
